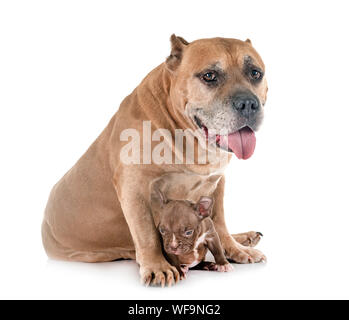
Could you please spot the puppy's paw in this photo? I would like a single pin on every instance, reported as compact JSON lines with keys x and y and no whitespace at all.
{"x":225,"y":267}
{"x":212,"y":266}
{"x":159,"y":274}
{"x":209,"y":266}
{"x":184,"y":269}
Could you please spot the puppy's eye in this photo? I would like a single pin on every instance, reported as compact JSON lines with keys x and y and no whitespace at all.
{"x":209,"y":76}
{"x":189,"y":233}
{"x":255,"y":74}
{"x":162,"y":230}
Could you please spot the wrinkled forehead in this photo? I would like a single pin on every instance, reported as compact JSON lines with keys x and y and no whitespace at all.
{"x":219,"y":53}
{"x":177,"y":215}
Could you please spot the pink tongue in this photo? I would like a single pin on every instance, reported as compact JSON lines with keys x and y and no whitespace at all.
{"x":242,"y":143}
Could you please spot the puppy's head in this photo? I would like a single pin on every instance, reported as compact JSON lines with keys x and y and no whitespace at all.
{"x":180,"y":223}
{"x":219,"y":86}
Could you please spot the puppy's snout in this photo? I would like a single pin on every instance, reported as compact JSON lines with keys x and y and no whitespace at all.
{"x":173,"y":246}
{"x":246,"y":104}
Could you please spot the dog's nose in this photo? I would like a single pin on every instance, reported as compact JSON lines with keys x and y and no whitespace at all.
{"x":173,"y":246}
{"x":245,"y":104}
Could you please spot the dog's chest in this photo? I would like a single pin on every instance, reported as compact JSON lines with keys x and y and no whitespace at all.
{"x":197,"y":255}
{"x":183,"y":186}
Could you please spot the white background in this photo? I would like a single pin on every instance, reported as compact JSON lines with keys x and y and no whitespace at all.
{"x":65,"y":66}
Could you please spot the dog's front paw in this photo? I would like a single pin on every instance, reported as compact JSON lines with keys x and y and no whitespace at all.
{"x":159,"y":274}
{"x":241,"y":254}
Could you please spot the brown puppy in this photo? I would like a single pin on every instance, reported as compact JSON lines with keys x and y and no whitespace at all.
{"x":101,"y":209}
{"x":188,"y":233}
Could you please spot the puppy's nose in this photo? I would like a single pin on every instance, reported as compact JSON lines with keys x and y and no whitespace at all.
{"x":246,"y":104}
{"x":173,"y":246}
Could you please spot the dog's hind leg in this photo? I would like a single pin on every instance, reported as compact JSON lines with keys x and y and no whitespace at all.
{"x":56,"y":250}
{"x":248,"y":239}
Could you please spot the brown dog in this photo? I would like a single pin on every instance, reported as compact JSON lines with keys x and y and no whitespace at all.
{"x":100,"y":210}
{"x":188,"y":233}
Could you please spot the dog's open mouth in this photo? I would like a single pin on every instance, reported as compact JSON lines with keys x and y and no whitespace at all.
{"x":241,"y":142}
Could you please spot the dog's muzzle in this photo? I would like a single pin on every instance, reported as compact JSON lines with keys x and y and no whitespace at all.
{"x":246,"y":104}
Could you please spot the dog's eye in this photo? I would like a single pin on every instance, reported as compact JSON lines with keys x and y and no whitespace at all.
{"x":189,"y":233}
{"x":255,"y":74}
{"x":209,"y":77}
{"x":162,"y":230}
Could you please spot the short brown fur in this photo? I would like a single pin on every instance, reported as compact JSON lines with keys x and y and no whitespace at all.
{"x":101,"y":208}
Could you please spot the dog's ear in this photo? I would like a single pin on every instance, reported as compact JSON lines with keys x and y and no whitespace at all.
{"x":248,"y":41}
{"x":204,"y":207}
{"x":178,"y":45}
{"x":160,"y":197}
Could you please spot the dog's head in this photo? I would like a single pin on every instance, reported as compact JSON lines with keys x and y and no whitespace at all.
{"x":180,"y":223}
{"x":219,"y":86}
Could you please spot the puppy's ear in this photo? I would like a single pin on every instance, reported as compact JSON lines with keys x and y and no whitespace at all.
{"x":160,"y":196}
{"x":178,"y":45}
{"x":204,"y":207}
{"x":248,"y":41}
